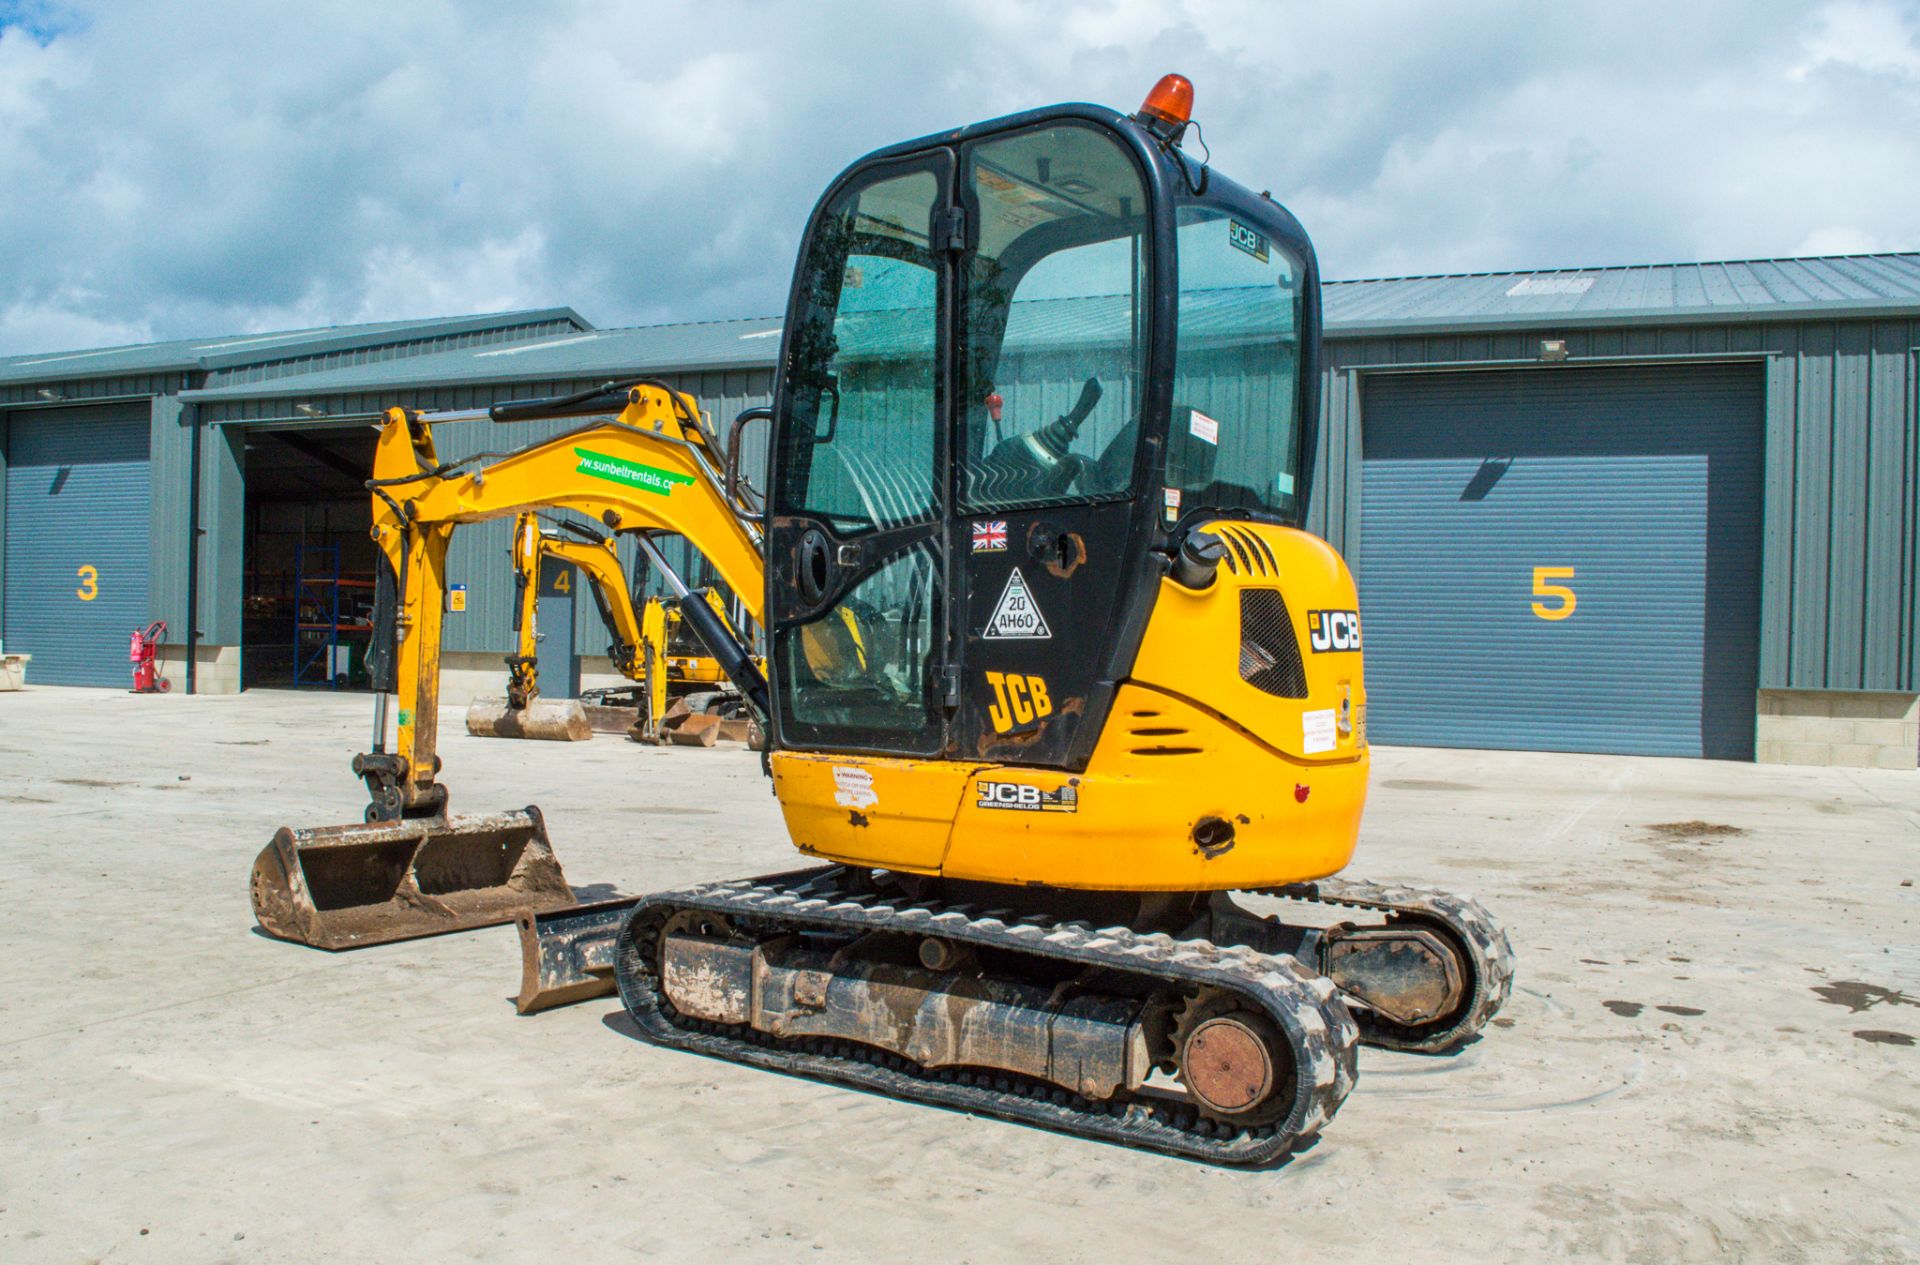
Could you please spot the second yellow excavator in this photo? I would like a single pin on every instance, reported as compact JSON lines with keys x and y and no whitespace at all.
{"x":648,"y":642}
{"x":1064,"y":703}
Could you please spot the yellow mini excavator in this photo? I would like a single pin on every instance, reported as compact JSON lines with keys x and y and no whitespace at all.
{"x":523,"y":713}
{"x":649,"y":643}
{"x":1063,"y":701}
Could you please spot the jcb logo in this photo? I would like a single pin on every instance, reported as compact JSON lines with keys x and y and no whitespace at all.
{"x":1009,"y":795}
{"x":1333,"y":630}
{"x":1021,"y":798}
{"x":1018,"y":701}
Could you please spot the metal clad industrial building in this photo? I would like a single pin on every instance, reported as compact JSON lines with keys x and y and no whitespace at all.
{"x":1836,"y":341}
{"x":99,"y":398}
{"x":1783,"y":392}
{"x":1563,"y":560}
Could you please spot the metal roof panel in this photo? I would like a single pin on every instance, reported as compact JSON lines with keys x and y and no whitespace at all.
{"x":1829,"y":286}
{"x":246,"y":349}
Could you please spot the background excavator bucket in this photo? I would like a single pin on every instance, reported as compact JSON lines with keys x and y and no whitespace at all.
{"x":556,"y":720}
{"x":345,"y":887}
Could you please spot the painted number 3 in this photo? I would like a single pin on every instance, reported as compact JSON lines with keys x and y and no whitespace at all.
{"x":1563,"y":597}
{"x":89,"y":583}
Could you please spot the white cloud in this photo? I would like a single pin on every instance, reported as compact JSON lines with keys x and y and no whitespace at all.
{"x":1873,"y":37}
{"x":62,"y":322}
{"x":1841,"y":239}
{"x":174,"y":168}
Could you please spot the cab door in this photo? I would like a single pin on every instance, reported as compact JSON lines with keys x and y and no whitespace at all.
{"x":858,"y":521}
{"x":1049,"y":402}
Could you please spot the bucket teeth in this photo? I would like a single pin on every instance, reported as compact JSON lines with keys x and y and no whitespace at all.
{"x":346,"y":887}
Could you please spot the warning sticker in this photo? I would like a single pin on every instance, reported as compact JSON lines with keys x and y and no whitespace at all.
{"x":1016,"y":615}
{"x":1204,"y":427}
{"x":1316,"y":732}
{"x":853,"y":786}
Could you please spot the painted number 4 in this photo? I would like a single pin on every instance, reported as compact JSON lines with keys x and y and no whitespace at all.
{"x":1563,"y":599}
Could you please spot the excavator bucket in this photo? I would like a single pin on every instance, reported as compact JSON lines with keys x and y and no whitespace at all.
{"x":346,"y":887}
{"x":566,"y":955}
{"x":556,"y":720}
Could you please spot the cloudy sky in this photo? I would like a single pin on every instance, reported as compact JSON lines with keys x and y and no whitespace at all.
{"x":214,"y":166}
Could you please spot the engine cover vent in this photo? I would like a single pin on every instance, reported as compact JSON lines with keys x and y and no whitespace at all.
{"x":1269,"y":650}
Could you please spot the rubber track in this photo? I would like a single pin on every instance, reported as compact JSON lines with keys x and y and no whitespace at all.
{"x":1486,"y":943}
{"x":830,"y":898}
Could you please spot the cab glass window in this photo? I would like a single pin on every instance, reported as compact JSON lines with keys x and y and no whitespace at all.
{"x":1234,"y":440}
{"x":1055,"y":341}
{"x":858,"y":448}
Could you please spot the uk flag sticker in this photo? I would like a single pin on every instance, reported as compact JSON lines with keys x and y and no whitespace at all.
{"x":990,"y":537}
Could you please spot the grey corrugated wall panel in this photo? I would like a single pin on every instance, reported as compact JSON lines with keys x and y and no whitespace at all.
{"x":1646,"y":480}
{"x":1812,"y":492}
{"x":1777,"y":517}
{"x":1839,"y":581}
{"x":171,"y":444}
{"x":223,"y":535}
{"x":3,"y":521}
{"x":1885,"y":511}
{"x":1847,"y":552}
{"x":78,"y":494}
{"x":1910,"y":534}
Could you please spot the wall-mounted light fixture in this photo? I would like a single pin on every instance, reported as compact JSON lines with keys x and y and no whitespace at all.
{"x":309,"y":410}
{"x":48,"y":393}
{"x":1552,"y":349}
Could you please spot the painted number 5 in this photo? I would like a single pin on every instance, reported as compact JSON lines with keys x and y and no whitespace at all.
{"x":1563,"y":596}
{"x":89,"y":583}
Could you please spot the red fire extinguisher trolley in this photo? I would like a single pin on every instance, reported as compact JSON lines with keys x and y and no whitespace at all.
{"x":146,"y":673}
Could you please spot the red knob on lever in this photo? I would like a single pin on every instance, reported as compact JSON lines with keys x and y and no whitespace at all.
{"x":994,"y":405}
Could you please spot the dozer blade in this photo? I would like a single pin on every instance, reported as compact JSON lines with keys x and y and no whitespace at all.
{"x":345,"y":887}
{"x":566,"y":955}
{"x":556,"y":720}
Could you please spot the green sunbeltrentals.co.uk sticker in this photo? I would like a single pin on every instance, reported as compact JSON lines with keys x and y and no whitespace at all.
{"x":619,"y":470}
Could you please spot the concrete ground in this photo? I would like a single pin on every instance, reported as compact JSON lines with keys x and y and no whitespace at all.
{"x":1710,"y":1053}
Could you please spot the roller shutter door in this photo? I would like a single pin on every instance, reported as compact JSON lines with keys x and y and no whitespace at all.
{"x":1563,"y":559}
{"x":78,"y":497}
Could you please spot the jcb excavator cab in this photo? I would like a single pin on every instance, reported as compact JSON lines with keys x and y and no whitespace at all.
{"x":1022,"y":360}
{"x":1025,"y":363}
